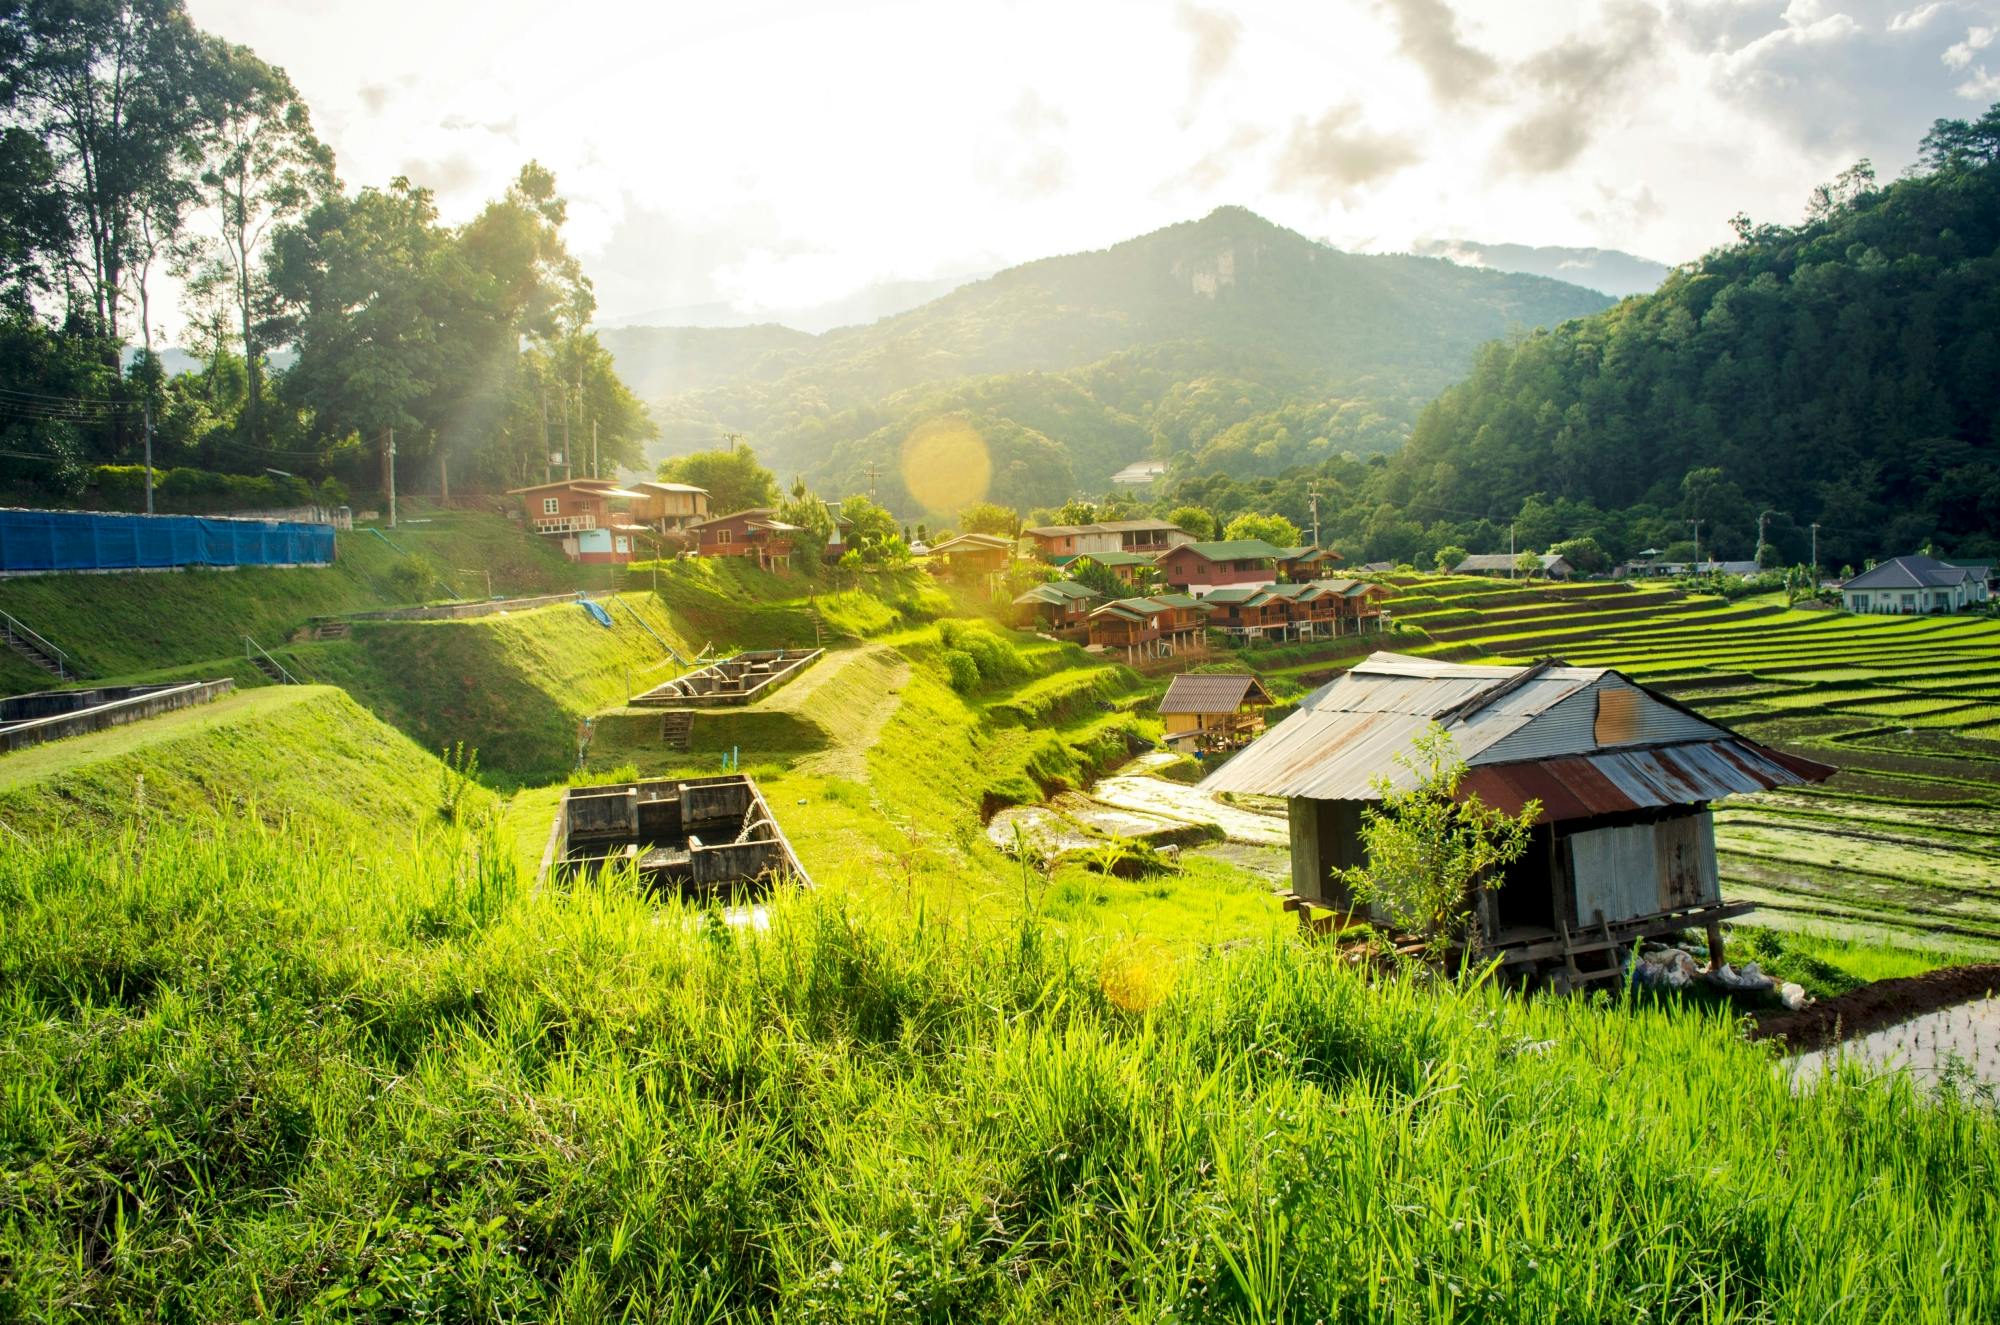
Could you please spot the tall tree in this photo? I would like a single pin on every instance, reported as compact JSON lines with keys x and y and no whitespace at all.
{"x":108,"y":88}
{"x":262,"y":167}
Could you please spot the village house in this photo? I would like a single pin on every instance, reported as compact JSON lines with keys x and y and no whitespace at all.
{"x":971,"y":555}
{"x":1299,"y":564}
{"x":756,"y":534}
{"x":1651,"y":568}
{"x":587,"y":515}
{"x":836,"y":543}
{"x":1129,"y":567}
{"x":1908,"y":586}
{"x":668,"y":507}
{"x":1157,"y":626}
{"x":1244,"y":613}
{"x":1059,"y":607}
{"x":1550,"y":566}
{"x":1623,"y":846}
{"x":1201,"y":568}
{"x":1213,"y":713}
{"x":1058,"y":543}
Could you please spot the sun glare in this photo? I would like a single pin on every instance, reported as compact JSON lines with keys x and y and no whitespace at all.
{"x":945,"y":465}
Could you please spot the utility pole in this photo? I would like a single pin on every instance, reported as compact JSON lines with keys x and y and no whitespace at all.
{"x":1312,"y":495}
{"x":874,"y":471}
{"x":1697,"y":543}
{"x":593,"y":449}
{"x":568,"y":469}
{"x":548,"y":456}
{"x":1762,"y":520}
{"x":732,"y":438}
{"x":1815,"y":555}
{"x":149,"y":455}
{"x":1512,"y":570}
{"x":389,"y":470}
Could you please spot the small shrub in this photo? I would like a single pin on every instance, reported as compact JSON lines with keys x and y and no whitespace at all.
{"x":963,"y":670}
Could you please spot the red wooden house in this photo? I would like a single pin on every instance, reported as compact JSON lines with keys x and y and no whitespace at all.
{"x":756,"y":533}
{"x":588,"y":515}
{"x":1199,"y":568}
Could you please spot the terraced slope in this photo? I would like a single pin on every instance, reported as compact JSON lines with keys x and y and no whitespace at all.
{"x":1906,"y":839}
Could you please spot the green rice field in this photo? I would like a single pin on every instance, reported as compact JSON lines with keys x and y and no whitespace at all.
{"x":1903,"y":843}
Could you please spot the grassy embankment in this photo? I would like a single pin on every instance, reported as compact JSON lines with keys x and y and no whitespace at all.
{"x":119,"y":626}
{"x":1901,"y":843}
{"x":334,"y":1078}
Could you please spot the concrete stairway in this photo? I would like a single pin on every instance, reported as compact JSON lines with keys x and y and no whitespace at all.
{"x":676,"y":728}
{"x":36,"y":650}
{"x":332,"y":630}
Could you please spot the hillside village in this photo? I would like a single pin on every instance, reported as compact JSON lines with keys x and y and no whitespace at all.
{"x":1213,"y":778}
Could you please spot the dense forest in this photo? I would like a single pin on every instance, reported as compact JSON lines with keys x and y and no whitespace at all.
{"x":1159,"y":346}
{"x":1844,"y":371}
{"x":135,"y":148}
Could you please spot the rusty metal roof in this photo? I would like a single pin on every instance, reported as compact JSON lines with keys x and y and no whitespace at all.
{"x":1586,"y":786}
{"x":1211,"y":693}
{"x":1585,"y":757}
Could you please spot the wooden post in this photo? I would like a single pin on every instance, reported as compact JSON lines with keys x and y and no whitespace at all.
{"x":1715,"y":945}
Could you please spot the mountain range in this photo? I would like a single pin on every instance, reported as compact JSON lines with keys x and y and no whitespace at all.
{"x":1072,"y":367}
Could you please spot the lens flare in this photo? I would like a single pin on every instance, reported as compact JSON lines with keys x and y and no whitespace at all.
{"x":945,"y":465}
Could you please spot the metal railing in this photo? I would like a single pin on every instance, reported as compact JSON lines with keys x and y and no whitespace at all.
{"x":252,"y":650}
{"x":65,"y":669}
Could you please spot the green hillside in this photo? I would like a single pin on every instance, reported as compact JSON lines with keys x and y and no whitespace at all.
{"x":1845,"y":371}
{"x":306,"y":756}
{"x":1071,"y":358}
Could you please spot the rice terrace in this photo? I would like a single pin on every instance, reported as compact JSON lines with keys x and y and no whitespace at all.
{"x":616,"y":712}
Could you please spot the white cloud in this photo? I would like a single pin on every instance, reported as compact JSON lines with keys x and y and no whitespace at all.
{"x":1960,"y":55}
{"x":769,"y":153}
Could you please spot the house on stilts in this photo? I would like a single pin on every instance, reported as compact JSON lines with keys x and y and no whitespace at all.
{"x":1624,"y":846}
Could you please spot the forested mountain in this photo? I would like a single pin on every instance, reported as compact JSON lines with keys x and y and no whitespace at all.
{"x":1074,"y":366}
{"x":1844,"y":371}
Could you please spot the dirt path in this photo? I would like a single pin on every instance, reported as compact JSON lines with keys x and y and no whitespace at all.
{"x":884,"y":672}
{"x":1872,"y":1007}
{"x":1177,"y":800}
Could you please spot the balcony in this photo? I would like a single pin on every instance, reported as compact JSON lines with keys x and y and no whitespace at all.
{"x":565,"y":524}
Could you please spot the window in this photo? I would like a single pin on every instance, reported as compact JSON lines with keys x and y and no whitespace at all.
{"x":551,"y":506}
{"x":724,"y":536}
{"x":622,"y":543}
{"x":1861,"y":602}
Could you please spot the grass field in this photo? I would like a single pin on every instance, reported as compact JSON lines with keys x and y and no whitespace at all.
{"x":1901,"y":843}
{"x":280,"y":1041}
{"x":253,"y":1077}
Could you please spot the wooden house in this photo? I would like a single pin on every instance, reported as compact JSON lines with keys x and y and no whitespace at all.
{"x":669,"y":507}
{"x":1208,"y":712}
{"x":1201,"y":568}
{"x":1548,"y":565}
{"x":589,"y":517}
{"x":1059,"y":607}
{"x":971,"y":555}
{"x":756,"y":534}
{"x":1623,"y":844}
{"x":1299,"y":564}
{"x":1129,"y":567}
{"x":1248,"y":612}
{"x":1159,"y":626}
{"x":1058,"y":543}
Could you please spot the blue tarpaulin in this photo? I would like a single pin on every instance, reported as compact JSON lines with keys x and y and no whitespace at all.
{"x":91,"y":540}
{"x":602,"y":617}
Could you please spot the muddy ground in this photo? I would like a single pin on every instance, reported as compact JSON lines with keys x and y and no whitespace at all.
{"x":1873,"y":1007}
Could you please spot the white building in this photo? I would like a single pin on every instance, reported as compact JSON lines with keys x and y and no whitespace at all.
{"x":1908,"y":586}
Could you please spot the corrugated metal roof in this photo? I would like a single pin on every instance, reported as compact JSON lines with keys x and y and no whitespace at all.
{"x":1210,"y":693}
{"x":1348,"y":734}
{"x":1586,"y":786}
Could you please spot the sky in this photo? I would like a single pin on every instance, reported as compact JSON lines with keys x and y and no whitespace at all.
{"x":775,"y":154}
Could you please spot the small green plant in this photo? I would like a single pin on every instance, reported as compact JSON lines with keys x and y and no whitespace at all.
{"x":1427,"y":848}
{"x":413,"y":579}
{"x":458,"y":773}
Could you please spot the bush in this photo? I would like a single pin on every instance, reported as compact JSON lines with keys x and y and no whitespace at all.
{"x":963,"y":670}
{"x":186,"y":491}
{"x":413,"y":580}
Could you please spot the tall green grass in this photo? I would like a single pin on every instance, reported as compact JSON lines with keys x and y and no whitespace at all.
{"x":267,"y":1074}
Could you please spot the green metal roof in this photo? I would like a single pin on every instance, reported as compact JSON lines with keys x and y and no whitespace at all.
{"x":1234,"y":549}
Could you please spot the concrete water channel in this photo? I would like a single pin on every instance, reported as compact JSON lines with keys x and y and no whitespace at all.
{"x":1136,"y":803}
